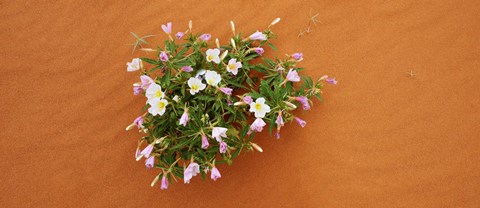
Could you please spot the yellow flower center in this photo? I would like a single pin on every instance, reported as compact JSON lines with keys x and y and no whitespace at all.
{"x":195,"y":87}
{"x":232,"y":66}
{"x":161,"y":105}
{"x":159,"y":94}
{"x":210,"y":57}
{"x":210,"y":81}
{"x":258,"y":106}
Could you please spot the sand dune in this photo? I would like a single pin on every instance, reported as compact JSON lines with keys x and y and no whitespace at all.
{"x":382,"y":138}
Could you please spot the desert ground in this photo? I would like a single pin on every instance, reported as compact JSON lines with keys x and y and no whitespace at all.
{"x":401,"y":128}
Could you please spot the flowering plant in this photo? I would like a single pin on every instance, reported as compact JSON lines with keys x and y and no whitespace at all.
{"x":205,"y":104}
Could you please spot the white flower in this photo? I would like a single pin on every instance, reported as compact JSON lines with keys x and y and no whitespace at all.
{"x":212,"y":78}
{"x":218,"y":133}
{"x":233,"y":66}
{"x":135,"y":65}
{"x":259,"y":107}
{"x":195,"y":85}
{"x":213,"y":55}
{"x":154,"y":91}
{"x":157,"y":106}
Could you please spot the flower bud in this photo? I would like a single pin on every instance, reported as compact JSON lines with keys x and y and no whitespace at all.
{"x":148,"y":49}
{"x":233,"y":27}
{"x":224,"y":54}
{"x":291,"y":105}
{"x":275,"y":21}
{"x":155,"y":180}
{"x":130,"y":127}
{"x":232,"y":41}
{"x":256,"y":147}
{"x":239,"y":103}
{"x":217,"y":42}
{"x":190,"y":25}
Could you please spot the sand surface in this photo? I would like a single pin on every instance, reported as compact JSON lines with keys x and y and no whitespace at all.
{"x":382,"y":138}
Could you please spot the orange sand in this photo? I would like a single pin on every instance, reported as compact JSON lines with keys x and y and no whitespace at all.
{"x":380,"y":139}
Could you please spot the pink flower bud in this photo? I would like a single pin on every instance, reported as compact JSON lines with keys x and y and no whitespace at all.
{"x":297,"y":56}
{"x":331,"y":81}
{"x":215,"y":174}
{"x":167,"y":28}
{"x":259,"y":50}
{"x":223,"y":147}
{"x":164,"y":183}
{"x":258,"y":36}
{"x":149,"y":162}
{"x":137,"y":90}
{"x":301,"y":122}
{"x":205,"y":37}
{"x":184,"y":118}
{"x":279,"y":121}
{"x":163,"y":56}
{"x":257,"y":125}
{"x":205,"y":143}
{"x":179,"y":35}
{"x":292,"y":76}
{"x":247,"y":99}
{"x":192,"y":170}
{"x":304,"y":101}
{"x":146,"y":81}
{"x":138,"y":122}
{"x":137,"y":153}
{"x":226,"y":90}
{"x":147,"y":151}
{"x":187,"y":69}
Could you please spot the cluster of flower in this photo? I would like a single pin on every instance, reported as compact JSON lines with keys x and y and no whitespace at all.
{"x":198,"y":97}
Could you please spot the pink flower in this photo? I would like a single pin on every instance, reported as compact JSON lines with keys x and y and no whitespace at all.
{"x":248,"y":99}
{"x":187,"y":69}
{"x":163,"y":56}
{"x":184,"y":118}
{"x":226,"y":90}
{"x":259,"y":50}
{"x":147,"y":151}
{"x":192,"y":170}
{"x":138,"y":121}
{"x":331,"y":81}
{"x":223,"y":147}
{"x":149,"y":162}
{"x":179,"y":35}
{"x":304,"y":101}
{"x":292,"y":76}
{"x":146,"y":81}
{"x":167,"y":28}
{"x":205,"y":37}
{"x":257,"y":125}
{"x":258,"y":36}
{"x":297,"y":56}
{"x":215,"y":174}
{"x":301,"y":122}
{"x":164,"y":183}
{"x":137,"y":90}
{"x":205,"y":143}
